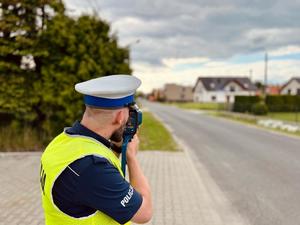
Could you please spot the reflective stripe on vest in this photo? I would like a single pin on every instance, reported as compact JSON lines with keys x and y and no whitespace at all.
{"x":60,"y":153}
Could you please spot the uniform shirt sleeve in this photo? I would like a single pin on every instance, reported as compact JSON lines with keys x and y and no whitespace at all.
{"x":102,"y":187}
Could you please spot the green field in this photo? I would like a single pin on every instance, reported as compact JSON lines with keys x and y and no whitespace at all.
{"x":154,"y":136}
{"x":200,"y":106}
{"x":292,"y":117}
{"x":285,"y":116}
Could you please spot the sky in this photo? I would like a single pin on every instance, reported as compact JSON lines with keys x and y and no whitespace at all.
{"x":175,"y":41}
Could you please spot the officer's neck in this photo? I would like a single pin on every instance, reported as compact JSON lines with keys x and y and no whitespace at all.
{"x":94,"y":126}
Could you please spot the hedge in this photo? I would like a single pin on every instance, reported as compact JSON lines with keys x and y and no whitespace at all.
{"x":244,"y":103}
{"x":275,"y":103}
{"x":283,"y":103}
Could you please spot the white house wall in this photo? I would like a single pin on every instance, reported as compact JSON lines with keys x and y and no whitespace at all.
{"x":202,"y":95}
{"x":293,"y":86}
{"x":220,"y":96}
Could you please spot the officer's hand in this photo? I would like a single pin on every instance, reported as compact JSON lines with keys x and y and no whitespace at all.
{"x":132,"y":147}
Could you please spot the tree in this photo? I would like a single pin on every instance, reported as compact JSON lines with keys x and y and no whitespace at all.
{"x":259,"y":85}
{"x":44,"y":53}
{"x":77,"y":50}
{"x":21,"y":23}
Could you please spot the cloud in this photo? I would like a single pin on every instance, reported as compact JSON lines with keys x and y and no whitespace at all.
{"x":200,"y":28}
{"x":173,"y":62}
{"x":287,"y":50}
{"x":178,"y":39}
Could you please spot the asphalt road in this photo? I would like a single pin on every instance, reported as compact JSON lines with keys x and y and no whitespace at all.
{"x":257,"y":170}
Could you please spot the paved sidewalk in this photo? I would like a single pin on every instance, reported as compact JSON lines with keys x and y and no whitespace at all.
{"x":181,"y":194}
{"x":19,"y":189}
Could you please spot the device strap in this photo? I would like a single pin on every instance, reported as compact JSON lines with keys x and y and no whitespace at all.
{"x":124,"y":160}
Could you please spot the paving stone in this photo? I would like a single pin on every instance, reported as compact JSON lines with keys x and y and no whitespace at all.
{"x":180,"y":194}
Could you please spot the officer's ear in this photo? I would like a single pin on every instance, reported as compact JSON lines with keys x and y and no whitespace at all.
{"x":119,"y":117}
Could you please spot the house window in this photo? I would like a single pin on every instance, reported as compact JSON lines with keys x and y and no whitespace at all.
{"x":298,"y":91}
{"x":232,"y":89}
{"x":289,"y":91}
{"x":213,"y":98}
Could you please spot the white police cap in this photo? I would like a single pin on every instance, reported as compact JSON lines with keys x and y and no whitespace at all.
{"x":112,"y":91}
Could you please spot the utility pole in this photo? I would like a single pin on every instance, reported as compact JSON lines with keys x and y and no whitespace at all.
{"x":266,"y":75}
{"x":250,"y":77}
{"x":250,"y":74}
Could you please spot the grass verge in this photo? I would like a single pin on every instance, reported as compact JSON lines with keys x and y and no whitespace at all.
{"x":24,"y":139}
{"x":154,"y":136}
{"x":285,"y":116}
{"x":200,"y":106}
{"x":249,"y":120}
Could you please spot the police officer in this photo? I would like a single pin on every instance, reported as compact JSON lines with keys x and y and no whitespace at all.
{"x":81,"y":179}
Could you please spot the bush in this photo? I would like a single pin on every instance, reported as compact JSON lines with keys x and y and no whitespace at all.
{"x":260,"y":109}
{"x":244,"y":103}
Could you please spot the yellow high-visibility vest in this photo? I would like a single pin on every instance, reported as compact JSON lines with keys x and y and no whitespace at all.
{"x":60,"y":153}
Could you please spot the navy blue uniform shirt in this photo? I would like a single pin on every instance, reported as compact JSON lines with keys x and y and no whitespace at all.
{"x":92,"y":183}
